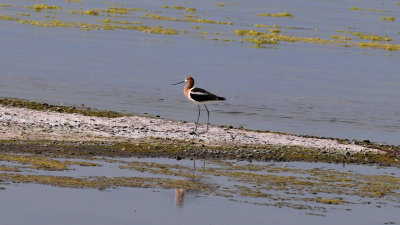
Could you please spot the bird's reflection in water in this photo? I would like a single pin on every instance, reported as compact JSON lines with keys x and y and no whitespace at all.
{"x":179,"y":197}
{"x":180,"y":192}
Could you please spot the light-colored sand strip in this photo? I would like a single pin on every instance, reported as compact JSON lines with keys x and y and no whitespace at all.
{"x":20,"y":123}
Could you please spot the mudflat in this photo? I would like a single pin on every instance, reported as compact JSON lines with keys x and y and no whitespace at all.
{"x":52,"y":128}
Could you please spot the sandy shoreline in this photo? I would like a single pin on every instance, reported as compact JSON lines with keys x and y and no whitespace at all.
{"x":27,"y":124}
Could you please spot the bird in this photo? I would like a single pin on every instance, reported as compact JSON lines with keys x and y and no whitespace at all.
{"x":199,"y":96}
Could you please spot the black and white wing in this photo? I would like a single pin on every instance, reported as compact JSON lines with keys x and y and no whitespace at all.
{"x":201,"y":95}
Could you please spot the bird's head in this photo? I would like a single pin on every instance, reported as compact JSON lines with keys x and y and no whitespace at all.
{"x":188,"y":79}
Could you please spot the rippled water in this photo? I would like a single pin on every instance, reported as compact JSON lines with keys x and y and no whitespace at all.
{"x":302,"y":88}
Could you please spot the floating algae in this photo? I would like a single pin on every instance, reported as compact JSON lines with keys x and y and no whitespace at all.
{"x":9,"y":169}
{"x":369,"y":10}
{"x":258,"y":41}
{"x":90,"y":12}
{"x":160,"y":30}
{"x":340,"y":37}
{"x":9,"y":18}
{"x":160,"y":169}
{"x":373,"y":37}
{"x":74,"y":1}
{"x":35,"y":162}
{"x":114,"y":21}
{"x":42,"y":162}
{"x":388,"y":47}
{"x":247,"y":33}
{"x":109,"y":10}
{"x":330,"y":201}
{"x":390,"y":19}
{"x":312,"y":180}
{"x":178,"y":7}
{"x":118,"y":10}
{"x":368,"y":36}
{"x":59,"y":23}
{"x":274,"y":30}
{"x":285,"y":14}
{"x":187,"y":9}
{"x":266,"y":26}
{"x":103,"y":182}
{"x":221,"y":39}
{"x":159,"y":17}
{"x":190,"y":9}
{"x":276,"y":37}
{"x":22,"y":14}
{"x":106,"y":26}
{"x":40,"y":7}
{"x":187,"y":19}
{"x":190,"y":16}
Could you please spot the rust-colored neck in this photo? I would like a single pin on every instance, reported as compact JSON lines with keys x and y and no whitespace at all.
{"x":188,"y":86}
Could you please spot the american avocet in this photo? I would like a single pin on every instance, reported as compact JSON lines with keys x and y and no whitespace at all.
{"x":199,"y":96}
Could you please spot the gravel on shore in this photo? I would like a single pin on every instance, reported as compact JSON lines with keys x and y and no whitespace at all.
{"x":27,"y":124}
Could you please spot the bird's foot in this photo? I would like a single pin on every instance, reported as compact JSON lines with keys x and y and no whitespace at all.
{"x":192,"y":133}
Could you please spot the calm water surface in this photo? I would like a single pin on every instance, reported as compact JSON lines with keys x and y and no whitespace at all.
{"x":296,"y":87}
{"x":43,"y":204}
{"x":34,"y":204}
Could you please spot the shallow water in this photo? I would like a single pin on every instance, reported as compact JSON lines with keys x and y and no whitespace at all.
{"x":27,"y":204}
{"x":303,"y":88}
{"x":48,"y":205}
{"x":228,"y":202}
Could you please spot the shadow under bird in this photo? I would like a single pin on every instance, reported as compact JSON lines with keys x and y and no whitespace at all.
{"x":199,"y":96}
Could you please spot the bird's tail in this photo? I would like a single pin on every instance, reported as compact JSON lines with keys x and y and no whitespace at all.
{"x":221,"y":98}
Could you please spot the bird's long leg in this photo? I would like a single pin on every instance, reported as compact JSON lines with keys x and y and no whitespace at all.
{"x":208,"y":116}
{"x":194,"y":166}
{"x":198,"y":116}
